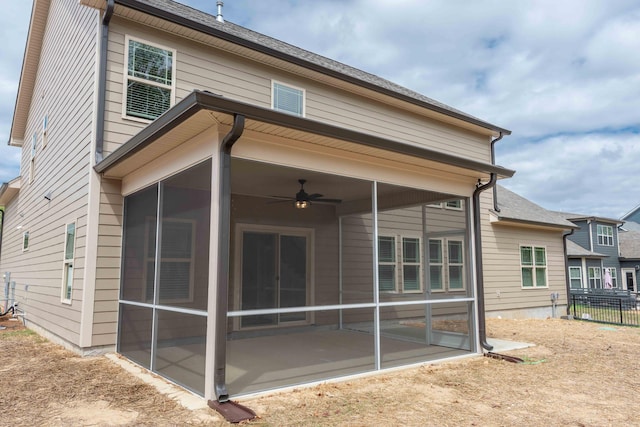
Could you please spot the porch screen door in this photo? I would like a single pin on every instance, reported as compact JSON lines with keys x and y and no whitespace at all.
{"x":274,"y":275}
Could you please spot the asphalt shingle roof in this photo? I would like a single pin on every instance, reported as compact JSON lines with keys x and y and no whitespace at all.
{"x":575,"y":250}
{"x":517,"y":208}
{"x":629,"y":244}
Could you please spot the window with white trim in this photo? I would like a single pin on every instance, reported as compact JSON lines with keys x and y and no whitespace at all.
{"x":287,"y":99}
{"x":453,"y":204}
{"x":386,"y":263}
{"x":446,"y":264}
{"x":595,"y":277}
{"x":411,"y":262}
{"x":533,"y":265}
{"x":149,"y":79}
{"x":32,"y":157}
{"x":614,"y":277}
{"x":399,"y":272}
{"x":605,"y":235}
{"x":575,"y":277}
{"x":45,"y":130}
{"x":177,"y":260}
{"x":25,"y":241}
{"x":69,"y":254}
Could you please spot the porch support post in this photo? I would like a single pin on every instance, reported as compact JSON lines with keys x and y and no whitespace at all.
{"x":376,"y":278}
{"x":224,"y":233}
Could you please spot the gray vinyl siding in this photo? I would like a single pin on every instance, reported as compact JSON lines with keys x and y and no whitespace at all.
{"x":501,"y":263}
{"x":610,"y":251}
{"x":199,"y":66}
{"x":64,"y":90}
{"x":581,"y":236}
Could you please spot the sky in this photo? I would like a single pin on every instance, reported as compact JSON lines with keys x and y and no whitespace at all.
{"x":563,"y":76}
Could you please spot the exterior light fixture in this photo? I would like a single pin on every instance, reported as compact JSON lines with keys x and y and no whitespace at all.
{"x":302,"y":204}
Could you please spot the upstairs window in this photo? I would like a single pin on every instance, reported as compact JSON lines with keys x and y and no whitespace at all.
{"x":605,"y":235}
{"x":150,"y":79}
{"x":533,"y":263}
{"x":69,"y":254}
{"x":386,"y":263}
{"x":454,"y":204}
{"x":288,"y":99}
{"x":32,"y":158}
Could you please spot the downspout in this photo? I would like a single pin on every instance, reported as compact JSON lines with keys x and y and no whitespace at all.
{"x":482,"y":329}
{"x":224,"y":233}
{"x":1,"y":230}
{"x":102,"y":80}
{"x":493,"y":162}
{"x":566,"y":269}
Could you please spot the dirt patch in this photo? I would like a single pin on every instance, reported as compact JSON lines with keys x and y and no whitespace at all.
{"x":578,"y":374}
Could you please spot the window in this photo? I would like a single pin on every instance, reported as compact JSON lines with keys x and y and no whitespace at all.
{"x":386,"y":263}
{"x":410,"y":264}
{"x":32,"y":157}
{"x":149,"y":80}
{"x":288,"y":99}
{"x":456,"y":265}
{"x":605,"y":235}
{"x":25,"y":241}
{"x":436,"y":265}
{"x":69,"y":249}
{"x":45,"y":130}
{"x":177,"y":260}
{"x":595,"y":277}
{"x":575,"y":277}
{"x":407,"y":267}
{"x":453,"y":204}
{"x":446,"y":272}
{"x":614,"y":277}
{"x":533,"y":263}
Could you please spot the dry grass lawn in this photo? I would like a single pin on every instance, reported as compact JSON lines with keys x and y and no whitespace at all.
{"x":578,"y":374}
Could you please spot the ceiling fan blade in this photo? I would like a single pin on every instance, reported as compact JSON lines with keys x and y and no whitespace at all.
{"x":314,"y":196}
{"x":322,"y":200}
{"x":283,"y":200}
{"x":271,"y":196}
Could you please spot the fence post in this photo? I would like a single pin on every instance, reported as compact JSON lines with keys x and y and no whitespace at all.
{"x":620,"y":304}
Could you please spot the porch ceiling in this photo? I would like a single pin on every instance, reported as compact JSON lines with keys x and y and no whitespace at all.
{"x":203,"y":110}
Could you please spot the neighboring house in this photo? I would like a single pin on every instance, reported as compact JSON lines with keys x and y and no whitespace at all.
{"x":238,"y":214}
{"x":632,"y":219}
{"x":593,"y":249}
{"x":523,"y":257}
{"x":629,"y":259}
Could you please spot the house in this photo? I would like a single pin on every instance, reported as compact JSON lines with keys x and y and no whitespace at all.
{"x":593,"y":251}
{"x":632,"y":219}
{"x":237,"y":214}
{"x":523,"y":257}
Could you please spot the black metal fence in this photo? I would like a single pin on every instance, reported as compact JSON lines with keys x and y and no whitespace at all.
{"x":605,"y":306}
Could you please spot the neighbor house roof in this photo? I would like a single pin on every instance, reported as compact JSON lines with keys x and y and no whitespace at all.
{"x":197,"y":20}
{"x":629,"y":244}
{"x":631,"y":212}
{"x":581,"y":217}
{"x":576,"y":251}
{"x":517,"y":209}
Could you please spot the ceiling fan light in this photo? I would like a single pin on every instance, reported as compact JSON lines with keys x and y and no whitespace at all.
{"x":302,"y":204}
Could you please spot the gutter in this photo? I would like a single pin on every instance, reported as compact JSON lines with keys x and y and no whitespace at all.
{"x":482,"y":328}
{"x":102,"y":80}
{"x":566,"y":268}
{"x":224,"y":227}
{"x":493,"y":162}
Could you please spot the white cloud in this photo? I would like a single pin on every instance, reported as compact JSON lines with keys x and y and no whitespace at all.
{"x":564,"y":76}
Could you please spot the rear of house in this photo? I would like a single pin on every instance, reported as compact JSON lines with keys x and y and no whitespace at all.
{"x":244,"y":215}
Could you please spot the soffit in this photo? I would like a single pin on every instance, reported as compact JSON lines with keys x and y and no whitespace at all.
{"x":9,"y":190}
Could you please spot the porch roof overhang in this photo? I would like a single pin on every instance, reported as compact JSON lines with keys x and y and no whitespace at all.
{"x":8,"y":190}
{"x":201,"y":110}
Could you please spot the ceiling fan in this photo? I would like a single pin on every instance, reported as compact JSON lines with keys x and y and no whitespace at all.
{"x":303,"y":200}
